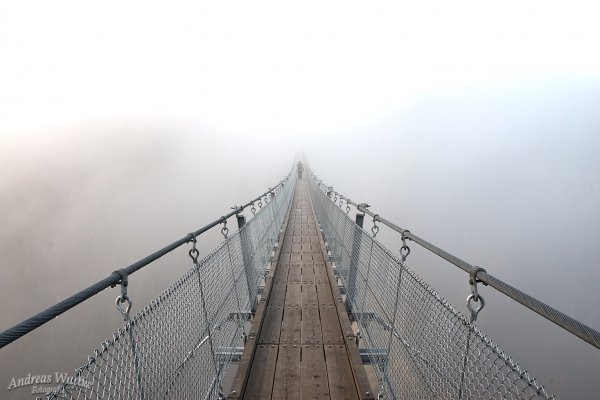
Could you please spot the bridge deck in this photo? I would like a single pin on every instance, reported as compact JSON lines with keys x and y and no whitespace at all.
{"x":301,"y":344}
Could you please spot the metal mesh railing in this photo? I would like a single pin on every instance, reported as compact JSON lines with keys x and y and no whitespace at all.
{"x":420,"y":346}
{"x":181,"y":345}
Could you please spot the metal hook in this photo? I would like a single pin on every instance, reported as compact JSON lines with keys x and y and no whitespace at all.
{"x":124,"y":311}
{"x":224,"y":230}
{"x":475,"y":311}
{"x":475,"y":296}
{"x":123,"y":298}
{"x":404,"y":250}
{"x":194,"y":253}
{"x":375,"y":228}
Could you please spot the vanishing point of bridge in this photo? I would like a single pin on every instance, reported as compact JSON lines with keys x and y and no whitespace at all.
{"x":300,"y":302}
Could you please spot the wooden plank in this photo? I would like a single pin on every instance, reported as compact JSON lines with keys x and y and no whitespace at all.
{"x":295,"y":274}
{"x":287,"y":246}
{"x":330,"y":325}
{"x":277,"y":294}
{"x":324,"y":294}
{"x":296,"y":247}
{"x":287,"y":374}
{"x":260,"y":381}
{"x":291,"y":325}
{"x":305,"y":248}
{"x":315,"y":248}
{"x":339,"y":374}
{"x":309,"y":296}
{"x":295,"y":258}
{"x":271,"y":328}
{"x":284,"y":258}
{"x":293,"y":295}
{"x":318,"y":257}
{"x":308,"y":274}
{"x":306,"y":258}
{"x":321,"y":275}
{"x":313,"y":373}
{"x":311,"y":325}
{"x":281,"y":272}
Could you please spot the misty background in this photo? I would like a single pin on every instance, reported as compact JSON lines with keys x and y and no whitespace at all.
{"x":125,"y":126}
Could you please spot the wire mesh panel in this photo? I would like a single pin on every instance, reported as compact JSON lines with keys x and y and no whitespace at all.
{"x":181,"y":345}
{"x":420,"y":346}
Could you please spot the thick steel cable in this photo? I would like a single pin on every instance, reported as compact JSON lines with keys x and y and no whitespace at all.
{"x":570,"y":324}
{"x":11,"y":334}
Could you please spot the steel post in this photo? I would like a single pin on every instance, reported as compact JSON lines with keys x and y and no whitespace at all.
{"x":360,"y":218}
{"x":245,"y":240}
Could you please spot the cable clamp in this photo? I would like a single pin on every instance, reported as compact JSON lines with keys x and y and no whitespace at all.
{"x":363,"y":206}
{"x":474,"y":280}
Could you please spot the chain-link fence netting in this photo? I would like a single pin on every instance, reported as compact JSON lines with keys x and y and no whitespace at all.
{"x":419,"y":345}
{"x":181,"y":345}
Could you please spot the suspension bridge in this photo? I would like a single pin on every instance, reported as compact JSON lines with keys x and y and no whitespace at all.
{"x":300,"y":302}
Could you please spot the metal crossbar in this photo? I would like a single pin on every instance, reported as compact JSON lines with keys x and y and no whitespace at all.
{"x":182,"y":344}
{"x":422,"y":347}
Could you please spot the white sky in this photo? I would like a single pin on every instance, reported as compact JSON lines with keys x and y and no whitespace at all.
{"x":275,"y":67}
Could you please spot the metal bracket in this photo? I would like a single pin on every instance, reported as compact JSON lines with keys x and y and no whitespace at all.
{"x":380,"y":355}
{"x":356,"y":316}
{"x":244,"y":316}
{"x":226,"y":354}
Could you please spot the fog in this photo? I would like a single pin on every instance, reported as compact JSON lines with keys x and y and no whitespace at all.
{"x":476,"y":128}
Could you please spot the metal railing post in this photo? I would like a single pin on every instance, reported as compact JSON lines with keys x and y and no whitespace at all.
{"x":360,"y":218}
{"x":241,"y":221}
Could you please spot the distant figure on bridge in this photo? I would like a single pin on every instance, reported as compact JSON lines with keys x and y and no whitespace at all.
{"x":300,"y":169}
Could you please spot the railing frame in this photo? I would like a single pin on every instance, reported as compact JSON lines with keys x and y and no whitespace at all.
{"x":11,"y":334}
{"x":566,"y":322}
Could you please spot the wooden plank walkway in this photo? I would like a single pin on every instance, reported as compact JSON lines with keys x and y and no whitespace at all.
{"x":301,"y":345}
